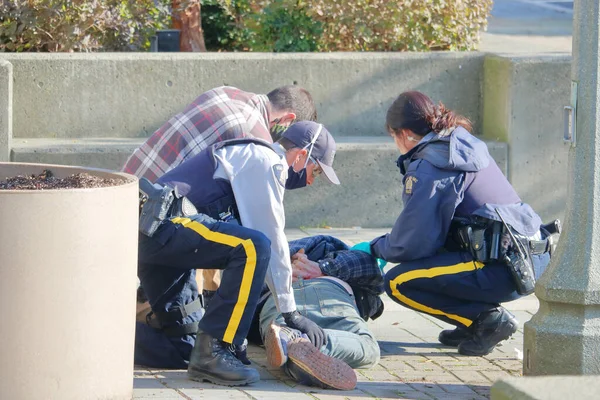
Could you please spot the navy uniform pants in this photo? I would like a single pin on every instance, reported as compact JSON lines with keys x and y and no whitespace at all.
{"x":454,"y":288}
{"x":167,"y":264}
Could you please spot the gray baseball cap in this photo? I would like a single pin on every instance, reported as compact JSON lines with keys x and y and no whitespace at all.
{"x":318,"y":141}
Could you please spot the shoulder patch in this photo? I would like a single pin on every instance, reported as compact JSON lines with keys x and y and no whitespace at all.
{"x":409,"y":183}
{"x":280,"y":174}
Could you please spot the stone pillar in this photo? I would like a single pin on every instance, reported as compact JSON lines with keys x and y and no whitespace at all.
{"x":563,"y":337}
{"x":6,"y":81}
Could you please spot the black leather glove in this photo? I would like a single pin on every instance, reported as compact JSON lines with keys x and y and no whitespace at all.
{"x":314,"y":332}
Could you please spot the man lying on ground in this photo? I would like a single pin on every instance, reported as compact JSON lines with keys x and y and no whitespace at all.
{"x":339,"y":290}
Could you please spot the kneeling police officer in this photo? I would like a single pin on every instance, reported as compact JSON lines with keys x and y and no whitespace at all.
{"x":465,"y":241}
{"x":222,"y":209}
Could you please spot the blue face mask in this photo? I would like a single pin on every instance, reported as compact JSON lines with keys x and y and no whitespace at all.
{"x":296,"y":180}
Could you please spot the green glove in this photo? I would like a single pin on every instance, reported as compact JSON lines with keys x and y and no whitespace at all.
{"x":362,"y":246}
{"x":366,"y":248}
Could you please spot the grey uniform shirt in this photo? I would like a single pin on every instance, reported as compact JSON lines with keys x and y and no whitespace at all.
{"x":257,"y":175}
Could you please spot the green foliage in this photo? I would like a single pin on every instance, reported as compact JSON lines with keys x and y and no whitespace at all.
{"x":271,"y":25}
{"x":80,"y":25}
{"x":221,"y":24}
{"x":247,"y":25}
{"x":359,"y":25}
{"x":286,"y":26}
{"x":405,"y":25}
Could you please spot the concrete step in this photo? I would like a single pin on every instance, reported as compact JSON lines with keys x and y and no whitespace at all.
{"x":369,"y":196}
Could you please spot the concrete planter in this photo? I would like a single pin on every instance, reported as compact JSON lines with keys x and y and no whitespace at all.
{"x":68,"y":262}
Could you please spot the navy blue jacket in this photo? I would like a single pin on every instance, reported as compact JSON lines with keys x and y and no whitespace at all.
{"x":446,"y":177}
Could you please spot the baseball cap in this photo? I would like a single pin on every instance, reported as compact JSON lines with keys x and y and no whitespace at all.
{"x":318,"y":141}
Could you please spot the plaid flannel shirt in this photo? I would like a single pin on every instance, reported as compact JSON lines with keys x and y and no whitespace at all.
{"x":220,"y":114}
{"x":357,"y":268}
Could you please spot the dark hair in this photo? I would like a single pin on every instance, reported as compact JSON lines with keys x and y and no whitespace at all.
{"x":287,"y":144}
{"x":294,"y":99}
{"x":417,"y":112}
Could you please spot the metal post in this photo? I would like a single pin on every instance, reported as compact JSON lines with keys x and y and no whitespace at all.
{"x":563,"y":337}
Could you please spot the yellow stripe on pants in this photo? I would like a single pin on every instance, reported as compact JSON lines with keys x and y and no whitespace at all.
{"x":432,"y":273}
{"x":233,"y":241}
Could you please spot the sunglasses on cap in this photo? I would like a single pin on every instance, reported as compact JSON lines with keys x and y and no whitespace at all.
{"x":317,"y":170}
{"x":312,"y":144}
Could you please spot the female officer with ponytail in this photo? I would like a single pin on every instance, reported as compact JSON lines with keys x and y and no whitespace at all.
{"x":450,"y":242}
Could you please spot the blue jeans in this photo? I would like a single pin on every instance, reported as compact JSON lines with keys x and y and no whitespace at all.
{"x":331,"y":307}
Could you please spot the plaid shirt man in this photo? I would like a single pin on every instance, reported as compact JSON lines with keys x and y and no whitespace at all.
{"x":220,"y":114}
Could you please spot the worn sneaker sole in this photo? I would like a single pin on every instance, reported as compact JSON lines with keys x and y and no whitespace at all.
{"x":275,"y":352}
{"x":204,"y":377}
{"x":330,"y":372}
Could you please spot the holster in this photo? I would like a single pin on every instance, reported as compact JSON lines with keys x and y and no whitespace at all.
{"x":162,"y":320}
{"x":155,"y":205}
{"x":479,"y":237}
{"x":158,"y":203}
{"x":552,"y":232}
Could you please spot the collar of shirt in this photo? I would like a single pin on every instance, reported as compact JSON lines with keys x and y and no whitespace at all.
{"x":264,"y":106}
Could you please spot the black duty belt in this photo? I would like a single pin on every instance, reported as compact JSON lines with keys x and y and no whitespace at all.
{"x":182,"y":330}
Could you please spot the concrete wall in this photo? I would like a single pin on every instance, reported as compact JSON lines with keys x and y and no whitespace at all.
{"x":523,"y":106}
{"x":130,"y":95}
{"x":92,"y":109}
{"x":369,"y":196}
{"x":5,"y":109}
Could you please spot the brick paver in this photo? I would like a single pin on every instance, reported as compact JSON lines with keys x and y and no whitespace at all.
{"x":413,"y":364}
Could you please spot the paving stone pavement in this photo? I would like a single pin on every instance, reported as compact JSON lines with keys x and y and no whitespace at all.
{"x":413,"y":364}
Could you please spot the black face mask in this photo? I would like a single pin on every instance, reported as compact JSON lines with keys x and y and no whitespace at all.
{"x":295,"y":179}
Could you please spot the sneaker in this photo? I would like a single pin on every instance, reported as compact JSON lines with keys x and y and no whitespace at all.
{"x":277,"y":340}
{"x":308,"y":366}
{"x":490,"y":328}
{"x":453,"y":337}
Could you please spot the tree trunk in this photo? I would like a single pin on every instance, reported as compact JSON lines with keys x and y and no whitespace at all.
{"x":187,"y":18}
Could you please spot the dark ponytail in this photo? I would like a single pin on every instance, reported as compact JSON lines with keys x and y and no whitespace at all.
{"x":417,"y":112}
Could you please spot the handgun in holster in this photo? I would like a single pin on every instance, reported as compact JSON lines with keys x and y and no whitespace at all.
{"x":552,"y":231}
{"x":480,"y":239}
{"x":155,"y":205}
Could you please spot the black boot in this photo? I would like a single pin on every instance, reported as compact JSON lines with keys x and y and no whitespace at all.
{"x":240,"y":351}
{"x":453,"y":337}
{"x":212,"y":361}
{"x":490,"y":328}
